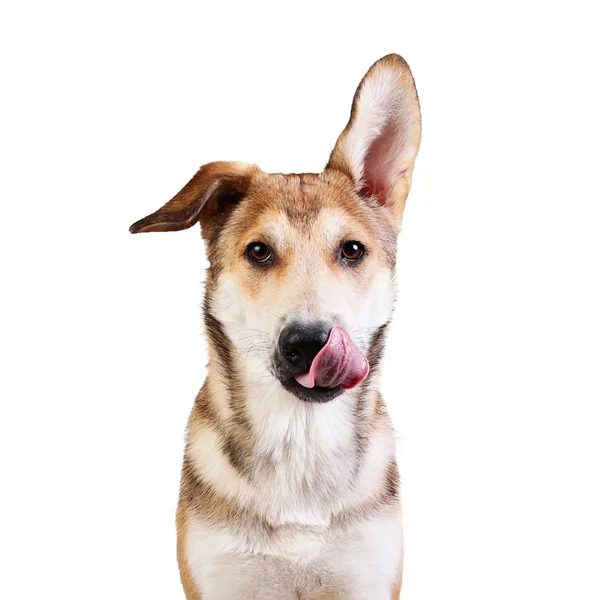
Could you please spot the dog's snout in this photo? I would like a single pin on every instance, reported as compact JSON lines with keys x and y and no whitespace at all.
{"x":299,"y":343}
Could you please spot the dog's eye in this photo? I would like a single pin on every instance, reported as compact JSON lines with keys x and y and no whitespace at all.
{"x":258,"y":252}
{"x":353,"y":251}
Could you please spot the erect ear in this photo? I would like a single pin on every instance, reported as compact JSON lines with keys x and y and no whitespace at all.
{"x":378,"y":147}
{"x":214,"y":187}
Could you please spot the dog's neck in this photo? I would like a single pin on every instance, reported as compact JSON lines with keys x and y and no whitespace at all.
{"x":315,"y":460}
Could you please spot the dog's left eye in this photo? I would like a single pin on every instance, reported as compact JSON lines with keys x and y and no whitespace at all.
{"x":258,"y":252}
{"x":352,"y":251}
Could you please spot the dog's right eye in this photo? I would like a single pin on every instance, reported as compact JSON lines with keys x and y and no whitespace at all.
{"x":258,"y":252}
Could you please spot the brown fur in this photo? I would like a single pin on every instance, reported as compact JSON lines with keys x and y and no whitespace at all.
{"x":187,"y":580}
{"x":213,"y":185}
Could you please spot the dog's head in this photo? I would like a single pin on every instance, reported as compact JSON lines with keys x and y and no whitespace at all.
{"x":302,"y":266}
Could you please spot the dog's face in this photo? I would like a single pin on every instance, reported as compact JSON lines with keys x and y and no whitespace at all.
{"x":299,"y":255}
{"x":302,"y":266}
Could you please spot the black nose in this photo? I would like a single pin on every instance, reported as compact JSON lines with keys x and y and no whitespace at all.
{"x":299,"y":343}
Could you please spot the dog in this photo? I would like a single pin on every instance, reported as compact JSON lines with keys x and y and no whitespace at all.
{"x":289,"y":486}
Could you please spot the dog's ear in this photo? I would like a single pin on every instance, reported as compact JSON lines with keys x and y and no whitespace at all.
{"x":209,"y":193}
{"x":378,"y":147}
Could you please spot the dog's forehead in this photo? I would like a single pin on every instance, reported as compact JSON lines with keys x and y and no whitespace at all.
{"x":284,"y":228}
{"x":307,"y":203}
{"x":301,"y":196}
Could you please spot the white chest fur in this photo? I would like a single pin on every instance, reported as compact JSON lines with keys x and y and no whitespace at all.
{"x":359,"y":564}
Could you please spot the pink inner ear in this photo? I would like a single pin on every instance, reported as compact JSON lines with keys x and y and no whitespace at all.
{"x":379,"y":172}
{"x":369,"y":190}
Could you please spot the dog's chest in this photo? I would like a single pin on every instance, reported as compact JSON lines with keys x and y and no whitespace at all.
{"x":359,"y":563}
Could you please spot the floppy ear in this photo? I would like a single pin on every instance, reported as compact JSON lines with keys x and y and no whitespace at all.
{"x":378,"y":147}
{"x":214,"y":187}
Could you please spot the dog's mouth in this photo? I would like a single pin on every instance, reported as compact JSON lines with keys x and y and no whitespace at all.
{"x":338,"y":365}
{"x":315,"y":394}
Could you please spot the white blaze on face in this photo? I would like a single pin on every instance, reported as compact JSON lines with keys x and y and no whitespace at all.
{"x":359,"y":311}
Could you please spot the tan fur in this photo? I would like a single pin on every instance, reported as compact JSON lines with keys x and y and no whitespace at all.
{"x":397,"y":585}
{"x":274,"y":497}
{"x":187,"y":580}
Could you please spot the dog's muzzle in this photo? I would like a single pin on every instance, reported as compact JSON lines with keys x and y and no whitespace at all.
{"x":317,"y":362}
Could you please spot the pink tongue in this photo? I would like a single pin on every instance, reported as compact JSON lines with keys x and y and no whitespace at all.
{"x":339,"y":362}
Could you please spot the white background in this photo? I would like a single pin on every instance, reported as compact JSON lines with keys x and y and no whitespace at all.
{"x":492,"y":370}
